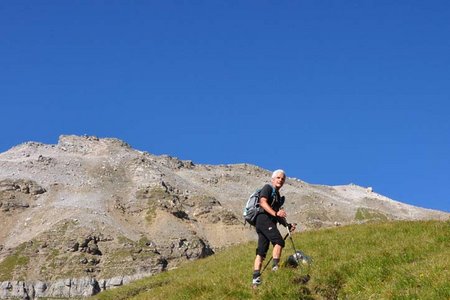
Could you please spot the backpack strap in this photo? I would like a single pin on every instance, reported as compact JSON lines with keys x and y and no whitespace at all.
{"x":274,"y":196}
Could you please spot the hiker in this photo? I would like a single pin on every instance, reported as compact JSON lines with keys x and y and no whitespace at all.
{"x":266,"y":224}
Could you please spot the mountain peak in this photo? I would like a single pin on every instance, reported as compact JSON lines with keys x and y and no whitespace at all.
{"x":96,"y":207}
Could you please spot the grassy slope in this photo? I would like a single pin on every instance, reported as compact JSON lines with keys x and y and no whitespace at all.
{"x":397,"y":260}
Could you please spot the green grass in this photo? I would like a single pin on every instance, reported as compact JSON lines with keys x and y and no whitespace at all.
{"x":14,"y":264}
{"x":393,"y":260}
{"x":367,"y":214}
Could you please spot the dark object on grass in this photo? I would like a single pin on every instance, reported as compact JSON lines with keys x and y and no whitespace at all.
{"x":297,"y":258}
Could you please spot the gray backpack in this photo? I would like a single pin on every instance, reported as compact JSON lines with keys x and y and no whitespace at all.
{"x":252,"y":208}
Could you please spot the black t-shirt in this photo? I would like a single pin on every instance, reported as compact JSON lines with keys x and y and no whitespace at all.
{"x":272,"y":195}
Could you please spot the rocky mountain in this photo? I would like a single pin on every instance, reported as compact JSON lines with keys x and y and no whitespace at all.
{"x":87,"y":213}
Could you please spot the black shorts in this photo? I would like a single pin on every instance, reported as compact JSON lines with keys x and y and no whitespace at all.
{"x":267,"y":231}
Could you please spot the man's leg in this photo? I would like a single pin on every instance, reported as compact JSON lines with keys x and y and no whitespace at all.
{"x":278,"y":245}
{"x":276,"y":254}
{"x":261,"y":251}
{"x":268,"y":232}
{"x":256,"y":277}
{"x":258,"y":263}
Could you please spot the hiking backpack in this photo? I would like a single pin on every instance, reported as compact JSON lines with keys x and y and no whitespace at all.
{"x":252,"y":208}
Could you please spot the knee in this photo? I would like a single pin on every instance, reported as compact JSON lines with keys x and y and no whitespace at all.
{"x":279,"y":242}
{"x":261,"y":253}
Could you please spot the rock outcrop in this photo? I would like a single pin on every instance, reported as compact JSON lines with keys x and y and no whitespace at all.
{"x":64,"y":288}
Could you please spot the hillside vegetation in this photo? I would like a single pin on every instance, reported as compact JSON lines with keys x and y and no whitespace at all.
{"x":391,"y":260}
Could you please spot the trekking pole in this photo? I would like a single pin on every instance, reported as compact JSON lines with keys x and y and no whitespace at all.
{"x":285,"y":237}
{"x":292,"y":241}
{"x":299,"y":255}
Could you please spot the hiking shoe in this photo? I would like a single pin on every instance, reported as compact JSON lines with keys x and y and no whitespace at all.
{"x":256,"y":281}
{"x":275,"y":268}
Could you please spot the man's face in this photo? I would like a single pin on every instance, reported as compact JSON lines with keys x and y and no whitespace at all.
{"x":278,"y":180}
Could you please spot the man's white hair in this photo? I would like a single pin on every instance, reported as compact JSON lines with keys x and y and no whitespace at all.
{"x":276,"y":172}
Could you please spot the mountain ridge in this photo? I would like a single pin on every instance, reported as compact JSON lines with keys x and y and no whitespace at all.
{"x":96,"y":207}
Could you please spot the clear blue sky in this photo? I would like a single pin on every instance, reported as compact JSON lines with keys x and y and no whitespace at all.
{"x":334,"y":92}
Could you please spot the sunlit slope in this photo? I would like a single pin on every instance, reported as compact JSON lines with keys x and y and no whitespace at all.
{"x":395,"y":260}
